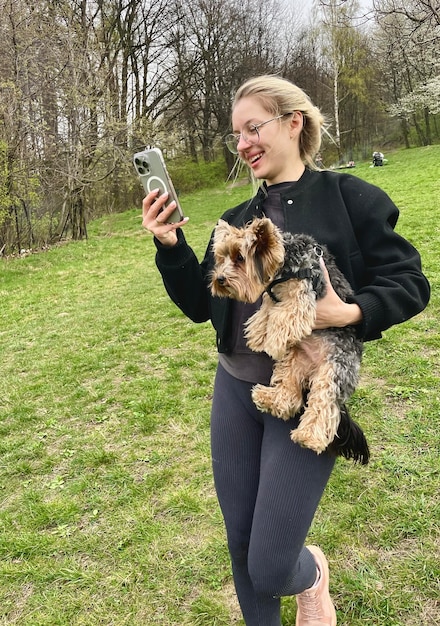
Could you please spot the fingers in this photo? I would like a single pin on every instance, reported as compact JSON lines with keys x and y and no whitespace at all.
{"x":324,"y":270}
{"x":155,"y":214}
{"x":330,"y":309}
{"x":152,"y":205}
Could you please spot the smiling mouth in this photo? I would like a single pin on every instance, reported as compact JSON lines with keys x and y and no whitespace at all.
{"x":255,"y":158}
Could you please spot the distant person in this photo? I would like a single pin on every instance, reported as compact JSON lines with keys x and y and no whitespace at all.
{"x":269,"y":487}
{"x":377,"y":159}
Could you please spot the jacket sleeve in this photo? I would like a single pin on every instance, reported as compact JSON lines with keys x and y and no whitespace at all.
{"x":186,"y":280}
{"x":395,"y":288}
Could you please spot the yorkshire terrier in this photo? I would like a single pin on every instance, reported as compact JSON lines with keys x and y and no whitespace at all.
{"x":315,"y":371}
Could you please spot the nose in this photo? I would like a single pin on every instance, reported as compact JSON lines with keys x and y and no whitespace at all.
{"x":243,"y":142}
{"x":221,"y":280}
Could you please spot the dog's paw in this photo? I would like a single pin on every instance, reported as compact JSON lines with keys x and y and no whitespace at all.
{"x":263,"y":398}
{"x":256,"y":332}
{"x":256,"y":343}
{"x":262,"y":343}
{"x":307,"y":438}
{"x":276,"y":344}
{"x":272,"y":400}
{"x":276,"y":351}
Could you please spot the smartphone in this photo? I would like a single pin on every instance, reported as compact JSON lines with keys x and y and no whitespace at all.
{"x":153,"y":173}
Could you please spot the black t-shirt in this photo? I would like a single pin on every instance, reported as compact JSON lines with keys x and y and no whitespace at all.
{"x":243,"y":363}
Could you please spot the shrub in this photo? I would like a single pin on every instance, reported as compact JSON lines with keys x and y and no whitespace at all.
{"x":189,"y":176}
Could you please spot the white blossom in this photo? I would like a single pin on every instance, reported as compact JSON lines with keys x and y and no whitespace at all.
{"x":425,"y":96}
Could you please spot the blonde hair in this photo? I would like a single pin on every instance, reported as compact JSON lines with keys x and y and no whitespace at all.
{"x":278,"y":96}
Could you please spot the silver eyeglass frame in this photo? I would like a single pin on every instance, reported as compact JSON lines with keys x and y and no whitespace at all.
{"x":232,"y":139}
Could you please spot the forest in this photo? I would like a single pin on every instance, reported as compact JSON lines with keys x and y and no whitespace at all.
{"x":86,"y":83}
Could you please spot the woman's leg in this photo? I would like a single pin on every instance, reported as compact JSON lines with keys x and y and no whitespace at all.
{"x":236,"y":443}
{"x":292,"y":481}
{"x":268,"y":489}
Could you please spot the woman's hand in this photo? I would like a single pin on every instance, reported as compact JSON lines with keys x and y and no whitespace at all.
{"x":332,"y":311}
{"x":155,"y":215}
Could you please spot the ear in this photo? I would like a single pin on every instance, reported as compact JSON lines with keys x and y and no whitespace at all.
{"x":265,"y":235}
{"x":297,"y":123}
{"x":267,"y":247}
{"x":221,"y":231}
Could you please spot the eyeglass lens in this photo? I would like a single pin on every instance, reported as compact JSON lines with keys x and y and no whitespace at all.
{"x":249,"y":134}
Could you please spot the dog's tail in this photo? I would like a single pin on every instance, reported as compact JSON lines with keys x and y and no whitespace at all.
{"x":350,"y":441}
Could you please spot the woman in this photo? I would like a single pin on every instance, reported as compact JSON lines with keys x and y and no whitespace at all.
{"x":268,"y":487}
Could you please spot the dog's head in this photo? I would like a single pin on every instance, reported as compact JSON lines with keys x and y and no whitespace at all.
{"x":246,"y":259}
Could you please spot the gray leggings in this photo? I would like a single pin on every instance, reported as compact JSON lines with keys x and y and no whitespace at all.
{"x":268,"y":489}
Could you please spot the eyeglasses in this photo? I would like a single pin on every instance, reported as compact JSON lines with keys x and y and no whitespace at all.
{"x":249,"y":134}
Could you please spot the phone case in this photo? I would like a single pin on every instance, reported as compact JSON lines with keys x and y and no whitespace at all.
{"x":153,"y":173}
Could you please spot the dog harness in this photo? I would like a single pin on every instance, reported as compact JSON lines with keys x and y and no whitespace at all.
{"x":301,"y":274}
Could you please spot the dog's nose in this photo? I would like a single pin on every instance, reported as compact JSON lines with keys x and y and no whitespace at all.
{"x":221,"y":280}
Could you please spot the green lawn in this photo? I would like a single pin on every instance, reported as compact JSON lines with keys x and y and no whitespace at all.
{"x":108,"y":514}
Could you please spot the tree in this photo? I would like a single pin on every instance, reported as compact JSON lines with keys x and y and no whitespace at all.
{"x":416,"y":13}
{"x":86,"y":83}
{"x":410,"y":59}
{"x":347,"y":58}
{"x":216,"y":46}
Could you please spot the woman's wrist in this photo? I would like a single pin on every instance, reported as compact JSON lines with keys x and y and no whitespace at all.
{"x":353,"y":314}
{"x":168,"y":240}
{"x":346,"y":314}
{"x":340,"y":314}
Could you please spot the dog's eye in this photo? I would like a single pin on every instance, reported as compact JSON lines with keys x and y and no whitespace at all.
{"x":239,"y":258}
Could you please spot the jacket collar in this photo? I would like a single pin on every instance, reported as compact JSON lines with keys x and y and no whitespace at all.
{"x":254,"y":207}
{"x":295,"y":187}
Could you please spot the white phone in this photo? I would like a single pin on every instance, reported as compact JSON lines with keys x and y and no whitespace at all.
{"x":153,"y":173}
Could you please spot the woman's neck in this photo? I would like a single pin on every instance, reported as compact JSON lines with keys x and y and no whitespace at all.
{"x":291,"y":174}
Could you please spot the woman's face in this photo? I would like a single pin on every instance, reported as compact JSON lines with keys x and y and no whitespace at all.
{"x":273,"y":152}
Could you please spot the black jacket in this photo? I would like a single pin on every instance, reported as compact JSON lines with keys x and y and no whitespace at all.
{"x":354,"y":219}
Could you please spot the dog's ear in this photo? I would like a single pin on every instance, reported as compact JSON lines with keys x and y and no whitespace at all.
{"x":267,"y":248}
{"x":221,"y":231}
{"x":262,"y":235}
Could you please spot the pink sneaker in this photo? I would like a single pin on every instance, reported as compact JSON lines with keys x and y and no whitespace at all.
{"x":315,"y":607}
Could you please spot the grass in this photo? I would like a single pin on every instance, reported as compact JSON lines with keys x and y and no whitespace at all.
{"x":108,"y":514}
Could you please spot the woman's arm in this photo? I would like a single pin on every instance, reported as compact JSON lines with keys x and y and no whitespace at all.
{"x":386,"y":273}
{"x":185,"y":280}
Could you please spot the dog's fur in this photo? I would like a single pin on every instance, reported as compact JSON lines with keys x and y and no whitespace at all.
{"x":315,"y":371}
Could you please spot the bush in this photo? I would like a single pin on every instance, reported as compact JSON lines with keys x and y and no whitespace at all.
{"x":188,"y":176}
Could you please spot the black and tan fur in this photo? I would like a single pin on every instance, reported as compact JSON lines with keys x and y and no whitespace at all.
{"x":315,"y":371}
